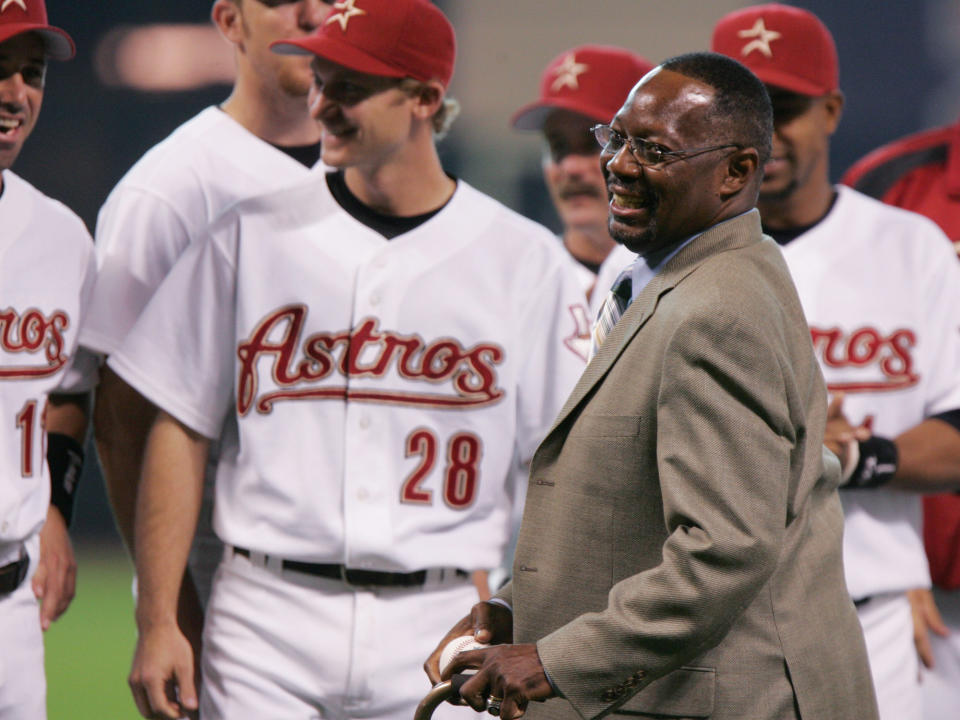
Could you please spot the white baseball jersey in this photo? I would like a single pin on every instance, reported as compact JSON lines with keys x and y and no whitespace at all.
{"x":164,"y":202}
{"x":596,"y":286}
{"x":380,"y":391}
{"x":880,"y":288}
{"x":47,"y":274}
{"x":615,"y":263}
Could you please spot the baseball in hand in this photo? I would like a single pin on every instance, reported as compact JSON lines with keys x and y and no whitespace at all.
{"x":456,"y":646}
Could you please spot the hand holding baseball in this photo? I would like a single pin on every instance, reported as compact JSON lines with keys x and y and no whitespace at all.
{"x":486,"y":624}
{"x":456,"y":646}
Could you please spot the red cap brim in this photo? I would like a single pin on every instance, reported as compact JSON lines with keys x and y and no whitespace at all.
{"x":57,"y":43}
{"x":790,"y":82}
{"x":533,"y":115}
{"x":338,"y":52}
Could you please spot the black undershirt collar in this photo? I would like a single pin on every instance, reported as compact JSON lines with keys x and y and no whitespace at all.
{"x":306,"y":155}
{"x":390,"y":226}
{"x":788,"y":235}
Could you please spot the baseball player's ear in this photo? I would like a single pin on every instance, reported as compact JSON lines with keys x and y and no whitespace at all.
{"x":226,"y":16}
{"x":741,"y":169}
{"x":429,"y":97}
{"x":833,"y":108}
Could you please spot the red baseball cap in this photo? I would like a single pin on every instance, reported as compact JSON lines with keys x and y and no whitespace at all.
{"x":23,"y":16}
{"x":786,"y":47}
{"x":392,"y":38}
{"x":593,"y":80}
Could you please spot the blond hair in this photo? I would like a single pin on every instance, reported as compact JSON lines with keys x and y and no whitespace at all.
{"x":444,"y":116}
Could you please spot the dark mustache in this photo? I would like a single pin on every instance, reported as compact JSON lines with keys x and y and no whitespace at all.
{"x":575,"y":188}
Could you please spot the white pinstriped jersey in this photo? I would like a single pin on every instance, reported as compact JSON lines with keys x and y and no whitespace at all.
{"x":46,"y":276}
{"x":880,"y":288}
{"x":380,"y":392}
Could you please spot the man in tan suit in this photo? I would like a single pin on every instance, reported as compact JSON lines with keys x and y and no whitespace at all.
{"x":680,"y":553}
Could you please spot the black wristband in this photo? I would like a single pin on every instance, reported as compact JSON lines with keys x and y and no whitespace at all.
{"x":877,"y":464}
{"x":65,"y":459}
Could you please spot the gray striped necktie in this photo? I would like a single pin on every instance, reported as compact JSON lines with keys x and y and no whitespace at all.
{"x":614,"y":305}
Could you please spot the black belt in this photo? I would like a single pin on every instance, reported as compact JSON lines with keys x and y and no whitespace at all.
{"x":12,"y":575}
{"x":353,"y":576}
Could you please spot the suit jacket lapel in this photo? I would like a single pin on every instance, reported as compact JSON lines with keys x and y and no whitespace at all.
{"x":736,"y":232}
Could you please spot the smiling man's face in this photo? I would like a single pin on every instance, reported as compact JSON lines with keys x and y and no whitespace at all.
{"x":22,"y":73}
{"x":571,"y":170}
{"x":653,"y":209}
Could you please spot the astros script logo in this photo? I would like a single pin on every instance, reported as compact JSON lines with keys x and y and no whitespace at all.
{"x":34,"y":337}
{"x":296,"y":366}
{"x":882,"y":362}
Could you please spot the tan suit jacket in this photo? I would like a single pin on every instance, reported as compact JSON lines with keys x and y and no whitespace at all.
{"x":680,"y":553}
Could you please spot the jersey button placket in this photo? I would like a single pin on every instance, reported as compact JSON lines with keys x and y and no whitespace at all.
{"x":369,"y":506}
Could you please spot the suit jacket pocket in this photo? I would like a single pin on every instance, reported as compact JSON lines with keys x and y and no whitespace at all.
{"x":687,"y":692}
{"x":594,"y":425}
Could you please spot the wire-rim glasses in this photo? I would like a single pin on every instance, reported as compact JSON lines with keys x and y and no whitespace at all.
{"x":645,"y":152}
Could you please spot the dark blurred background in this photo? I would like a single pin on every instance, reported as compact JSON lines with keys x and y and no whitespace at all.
{"x":899,"y":70}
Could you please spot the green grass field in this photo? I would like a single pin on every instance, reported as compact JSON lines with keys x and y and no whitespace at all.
{"x":89,"y":649}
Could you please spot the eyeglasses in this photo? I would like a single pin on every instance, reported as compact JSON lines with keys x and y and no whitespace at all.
{"x":646,"y":153}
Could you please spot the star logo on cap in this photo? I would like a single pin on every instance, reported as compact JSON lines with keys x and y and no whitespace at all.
{"x":347,"y":9}
{"x":762,"y":41}
{"x":8,"y":3}
{"x":567,"y":73}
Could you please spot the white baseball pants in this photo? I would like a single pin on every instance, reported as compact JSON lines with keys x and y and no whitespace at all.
{"x":941,"y":685}
{"x":888,"y":629}
{"x":288,"y":646}
{"x":23,"y":685}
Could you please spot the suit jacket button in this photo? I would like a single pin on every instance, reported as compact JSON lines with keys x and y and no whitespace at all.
{"x":610,"y":695}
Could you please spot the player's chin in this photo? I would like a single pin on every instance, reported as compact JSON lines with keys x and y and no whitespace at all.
{"x":8,"y":154}
{"x":334,"y":155}
{"x":583,"y":215}
{"x":338,"y":147}
{"x":776,"y":188}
